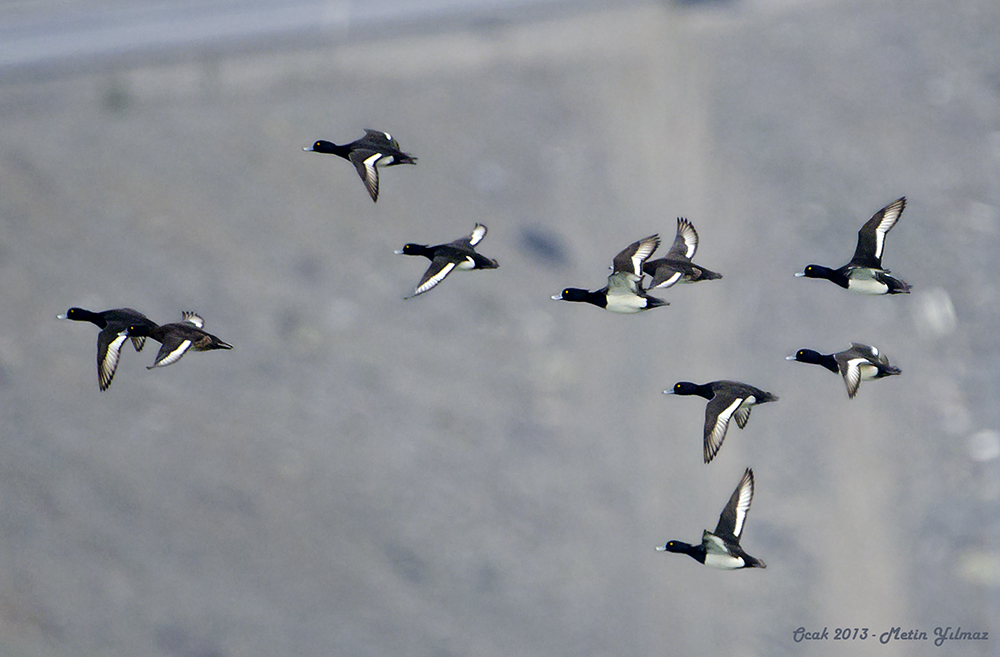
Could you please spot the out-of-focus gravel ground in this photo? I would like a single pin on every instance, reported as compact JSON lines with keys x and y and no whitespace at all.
{"x":481,"y":470}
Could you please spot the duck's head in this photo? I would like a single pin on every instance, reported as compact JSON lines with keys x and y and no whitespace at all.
{"x":572,"y":294}
{"x":321,"y":146}
{"x":806,"y":356}
{"x":815,"y":358}
{"x":73,"y":313}
{"x":815,"y":271}
{"x":673,"y":546}
{"x":412,"y":249}
{"x":684,"y":388}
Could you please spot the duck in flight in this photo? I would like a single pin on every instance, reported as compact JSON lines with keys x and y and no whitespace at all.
{"x":624,"y":292}
{"x":460,"y":254}
{"x":721,"y":548}
{"x":676,"y":266}
{"x":177,"y":338}
{"x":109,"y":341}
{"x":726,"y":400}
{"x":859,"y":363}
{"x":864,"y":273}
{"x":375,"y":149}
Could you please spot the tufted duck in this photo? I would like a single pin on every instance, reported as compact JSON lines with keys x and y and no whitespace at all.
{"x":726,"y":399}
{"x":721,"y":548}
{"x":375,"y":149}
{"x":864,"y":273}
{"x":177,"y":338}
{"x":109,"y":341}
{"x":624,"y":292}
{"x":459,"y":254}
{"x":859,"y":363}
{"x":676,"y":266}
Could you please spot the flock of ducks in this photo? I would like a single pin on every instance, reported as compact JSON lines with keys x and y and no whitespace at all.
{"x":624,"y":293}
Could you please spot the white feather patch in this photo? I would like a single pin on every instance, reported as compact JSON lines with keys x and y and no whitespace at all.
{"x":687,"y":233}
{"x":478,"y":233}
{"x":194,"y":319}
{"x":718,"y":433}
{"x":174,"y":355}
{"x":743,"y":505}
{"x":724,"y":561}
{"x":371,"y":161}
{"x":867,"y":285}
{"x":891,"y":215}
{"x":110,"y":362}
{"x":852,"y":376}
{"x":670,"y":281}
{"x":435,"y":279}
{"x":646,"y":248}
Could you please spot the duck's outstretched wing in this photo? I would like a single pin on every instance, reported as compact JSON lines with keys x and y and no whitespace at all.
{"x":437,"y":272}
{"x":170,"y":351}
{"x":871,"y":237}
{"x":734,"y":515}
{"x":474,"y":238}
{"x":685,"y":243}
{"x":109,"y":344}
{"x":718,"y":413}
{"x":664,"y":272}
{"x":850,"y":363}
{"x":364,"y":161}
{"x":630,"y":259}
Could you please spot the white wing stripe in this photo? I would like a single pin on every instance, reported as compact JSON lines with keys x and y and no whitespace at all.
{"x":110,"y":362}
{"x":746,"y":496}
{"x":435,"y":279}
{"x":889,"y":218}
{"x":670,"y":281}
{"x":174,"y":355}
{"x":645,"y":250}
{"x":370,"y":163}
{"x":688,"y":234}
{"x":852,"y":375}
{"x":721,"y":424}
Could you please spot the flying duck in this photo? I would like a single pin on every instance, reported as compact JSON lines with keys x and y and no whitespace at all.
{"x":460,"y":254}
{"x":177,"y":338}
{"x":726,"y":400}
{"x":676,"y":266}
{"x":721,"y":548}
{"x":859,"y":363}
{"x":864,"y":273}
{"x":109,"y":341}
{"x":624,"y":292}
{"x":375,"y":149}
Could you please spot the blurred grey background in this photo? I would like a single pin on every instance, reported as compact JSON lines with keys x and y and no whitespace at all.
{"x":481,"y":470}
